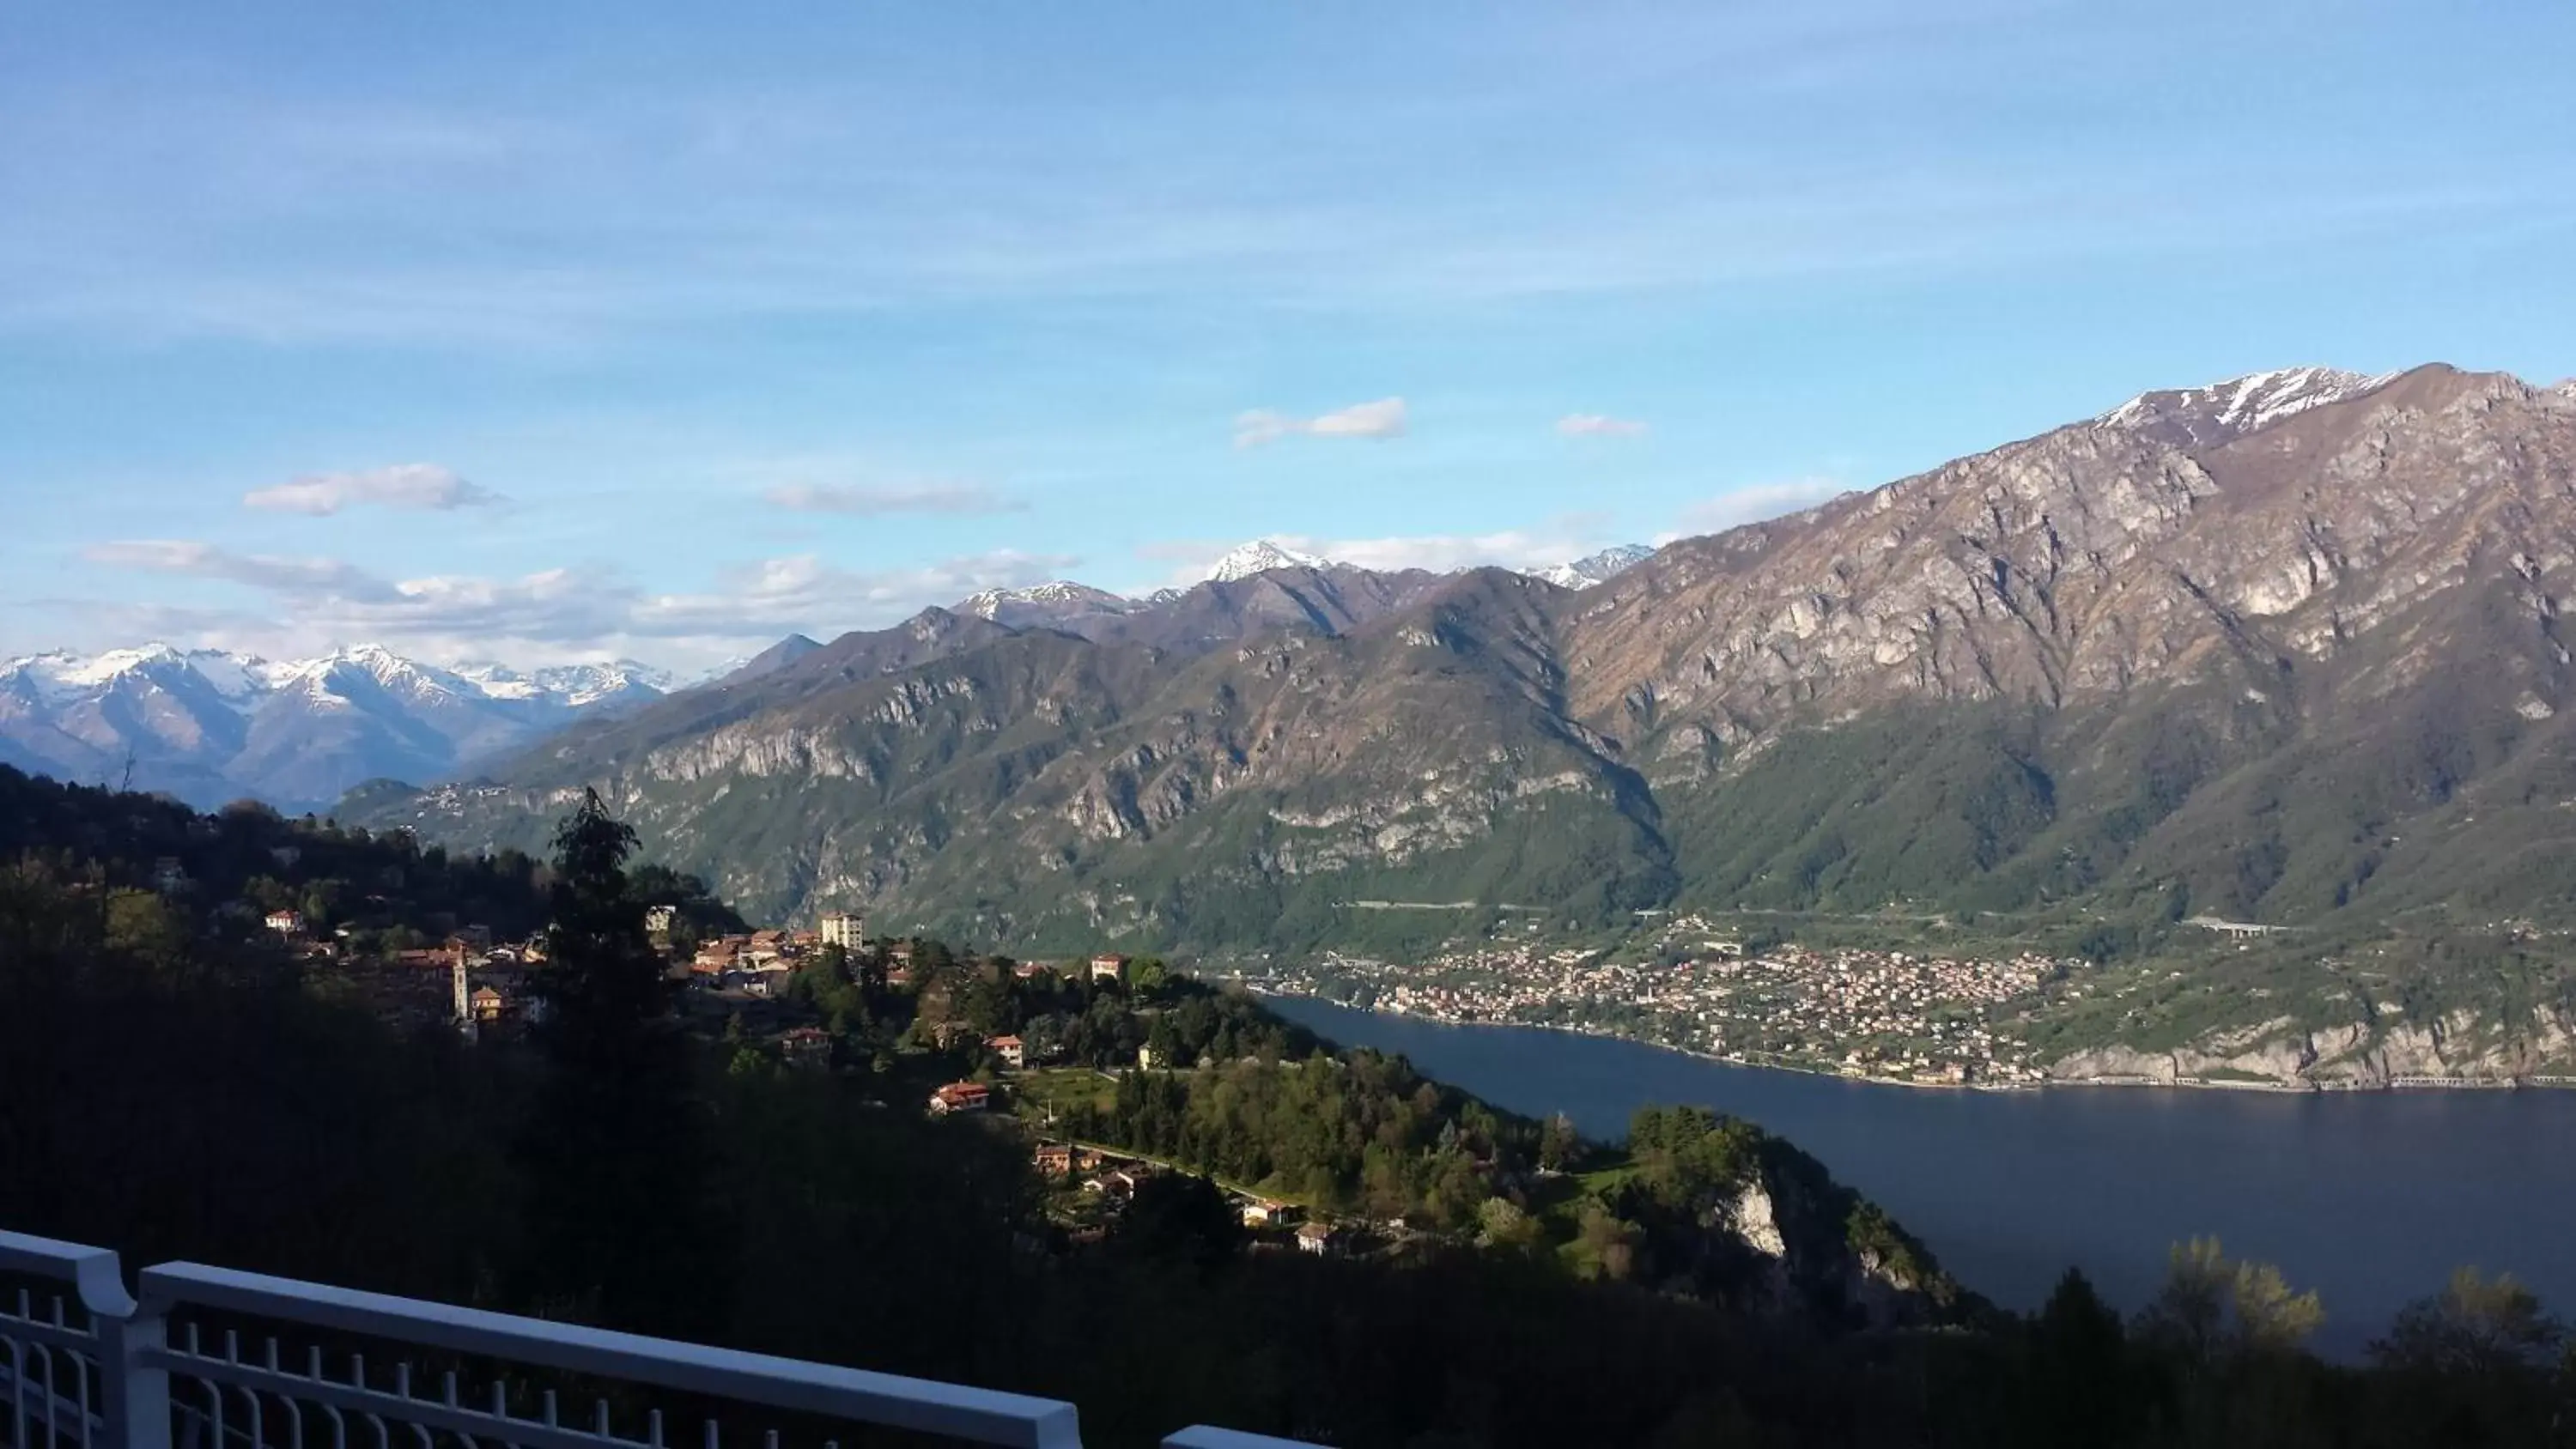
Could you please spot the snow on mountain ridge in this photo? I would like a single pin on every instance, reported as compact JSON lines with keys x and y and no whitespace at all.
{"x":1260,"y":556}
{"x":2245,"y":404}
{"x":1583,"y":573}
{"x":1055,"y":593}
{"x":244,"y":679}
{"x":213,"y":726}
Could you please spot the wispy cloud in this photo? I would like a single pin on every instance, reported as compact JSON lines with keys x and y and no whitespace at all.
{"x":1598,"y":425}
{"x":955,"y":498}
{"x":508,"y":214}
{"x":328,"y":601}
{"x":1751,"y":504}
{"x":259,"y":571}
{"x":1383,"y":418}
{"x":423,"y":486}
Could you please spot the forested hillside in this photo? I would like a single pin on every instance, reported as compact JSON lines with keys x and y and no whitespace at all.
{"x":618,"y":1168}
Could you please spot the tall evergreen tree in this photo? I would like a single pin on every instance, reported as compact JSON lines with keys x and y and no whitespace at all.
{"x":622,"y":1223}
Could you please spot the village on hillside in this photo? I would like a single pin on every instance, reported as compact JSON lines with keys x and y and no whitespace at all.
{"x":784,"y":999}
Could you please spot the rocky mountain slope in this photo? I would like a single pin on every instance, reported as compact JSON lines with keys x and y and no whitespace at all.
{"x":211,"y":727}
{"x":2284,"y":649}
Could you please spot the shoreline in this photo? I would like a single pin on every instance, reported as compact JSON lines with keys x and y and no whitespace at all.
{"x":2194,"y":1084}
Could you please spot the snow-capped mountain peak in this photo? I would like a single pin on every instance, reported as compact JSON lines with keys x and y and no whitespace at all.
{"x":60,"y":677}
{"x":1583,"y":573}
{"x":213,"y":726}
{"x":2240,"y":405}
{"x":1260,"y":556}
{"x":1055,"y":594}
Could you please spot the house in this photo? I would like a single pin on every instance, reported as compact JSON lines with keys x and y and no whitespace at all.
{"x":808,"y":1045}
{"x":1010,"y":1049}
{"x":286,"y":923}
{"x":1108,"y":967}
{"x":1145,"y":1059}
{"x":1055,"y":1159}
{"x":898,"y":976}
{"x":488,"y":1004}
{"x":1263,"y":1213}
{"x":845,"y":929}
{"x":961,"y":1097}
{"x":658,"y":919}
{"x":1028,"y":970}
{"x":1319,"y":1239}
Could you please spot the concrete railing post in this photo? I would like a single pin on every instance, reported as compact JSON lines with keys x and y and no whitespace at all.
{"x":136,"y":1389}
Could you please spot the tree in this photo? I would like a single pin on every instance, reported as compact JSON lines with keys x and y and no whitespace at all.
{"x":2270,"y":1317}
{"x":2211,"y":1306}
{"x":2475,"y":1325}
{"x":605,"y":982}
{"x":2077,"y":1350}
{"x":1558,"y":1143}
{"x":1175,"y":1216}
{"x":142,"y":925}
{"x":1148,"y":975}
{"x":1501,"y":1223}
{"x":621,"y":1222}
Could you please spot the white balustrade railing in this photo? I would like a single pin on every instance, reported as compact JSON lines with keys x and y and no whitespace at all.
{"x":256,"y":1362}
{"x":54,"y":1351}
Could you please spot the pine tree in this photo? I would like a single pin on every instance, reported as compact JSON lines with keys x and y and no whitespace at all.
{"x":622,"y":1224}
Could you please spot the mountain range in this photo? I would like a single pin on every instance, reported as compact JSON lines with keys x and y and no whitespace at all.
{"x":2286,"y":649}
{"x":210,"y":727}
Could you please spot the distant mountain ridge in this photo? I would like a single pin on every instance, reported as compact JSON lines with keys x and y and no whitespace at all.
{"x":210,"y":726}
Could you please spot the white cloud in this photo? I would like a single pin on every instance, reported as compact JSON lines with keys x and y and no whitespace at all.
{"x":1751,"y":504}
{"x":1598,"y":425}
{"x":402,"y":485}
{"x":258,"y":571}
{"x":544,"y":614}
{"x":899,"y":498}
{"x":1383,"y":418}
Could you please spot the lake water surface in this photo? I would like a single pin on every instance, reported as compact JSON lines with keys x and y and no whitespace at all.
{"x":2369,"y":1197}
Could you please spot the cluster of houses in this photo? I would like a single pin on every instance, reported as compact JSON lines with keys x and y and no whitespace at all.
{"x":469,"y":978}
{"x":1115,"y":1178}
{"x":756,"y":963}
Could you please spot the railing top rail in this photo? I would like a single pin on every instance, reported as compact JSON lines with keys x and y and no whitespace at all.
{"x":982,"y":1415}
{"x":92,"y":1272}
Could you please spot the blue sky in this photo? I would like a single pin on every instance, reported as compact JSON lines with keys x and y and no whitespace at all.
{"x":550,"y":332}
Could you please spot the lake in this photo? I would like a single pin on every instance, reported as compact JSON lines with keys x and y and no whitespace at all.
{"x":2371,"y":1198}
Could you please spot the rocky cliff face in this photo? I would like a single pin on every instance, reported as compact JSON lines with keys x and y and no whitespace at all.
{"x":2286,"y":648}
{"x":2097,"y":559}
{"x":2461,"y":1047}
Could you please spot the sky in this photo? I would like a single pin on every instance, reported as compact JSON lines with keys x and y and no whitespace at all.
{"x":545,"y":333}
